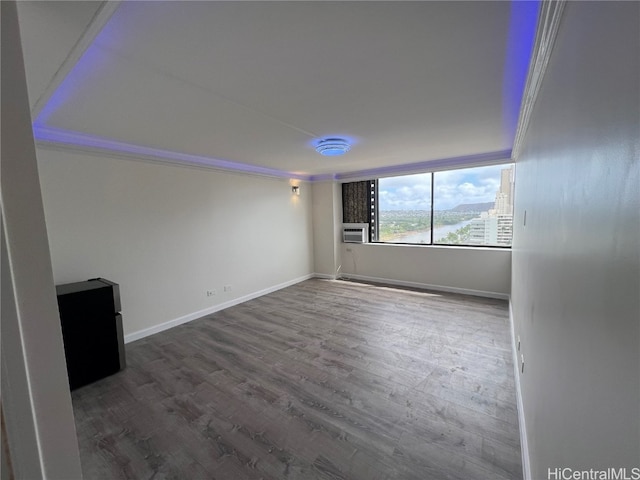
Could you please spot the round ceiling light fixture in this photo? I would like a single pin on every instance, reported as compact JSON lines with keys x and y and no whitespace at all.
{"x":332,"y":147}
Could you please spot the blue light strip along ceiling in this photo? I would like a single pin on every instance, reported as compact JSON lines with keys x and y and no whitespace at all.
{"x":521,"y":37}
{"x":522,"y":26}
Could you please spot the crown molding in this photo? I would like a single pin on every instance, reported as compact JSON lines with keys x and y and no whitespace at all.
{"x":546,"y":33}
{"x":57,"y":139}
{"x":476,"y":160}
{"x":67,"y":140}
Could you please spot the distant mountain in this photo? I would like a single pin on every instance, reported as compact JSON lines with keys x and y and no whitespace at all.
{"x":473,"y":207}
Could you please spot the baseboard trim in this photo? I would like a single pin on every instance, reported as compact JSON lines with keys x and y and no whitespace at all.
{"x":425,"y":286}
{"x":524,"y":444}
{"x":132,"y":337}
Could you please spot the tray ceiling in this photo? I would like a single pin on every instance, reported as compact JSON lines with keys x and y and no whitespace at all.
{"x":257,"y":84}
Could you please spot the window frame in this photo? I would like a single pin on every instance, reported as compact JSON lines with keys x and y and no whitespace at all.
{"x":374,"y":227}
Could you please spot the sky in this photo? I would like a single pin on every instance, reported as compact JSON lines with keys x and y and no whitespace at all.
{"x":451,"y":188}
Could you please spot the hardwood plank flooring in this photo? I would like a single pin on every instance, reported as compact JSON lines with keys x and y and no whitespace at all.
{"x":321,"y":380}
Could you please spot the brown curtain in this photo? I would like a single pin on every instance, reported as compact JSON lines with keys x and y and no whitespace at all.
{"x":356,"y":202}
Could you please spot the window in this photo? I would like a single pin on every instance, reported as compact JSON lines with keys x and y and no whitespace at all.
{"x":471,"y":206}
{"x":404,"y":209}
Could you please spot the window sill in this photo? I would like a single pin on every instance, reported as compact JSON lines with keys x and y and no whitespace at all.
{"x":446,"y":246}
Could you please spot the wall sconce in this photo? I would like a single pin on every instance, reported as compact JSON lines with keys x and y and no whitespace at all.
{"x":295,"y":190}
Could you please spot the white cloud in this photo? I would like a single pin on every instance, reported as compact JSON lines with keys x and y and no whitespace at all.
{"x":406,"y":197}
{"x":452,"y":188}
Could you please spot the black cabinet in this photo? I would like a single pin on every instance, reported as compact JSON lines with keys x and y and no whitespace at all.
{"x":91,"y":330}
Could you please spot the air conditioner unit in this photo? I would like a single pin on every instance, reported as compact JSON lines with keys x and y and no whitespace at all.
{"x":355,"y":232}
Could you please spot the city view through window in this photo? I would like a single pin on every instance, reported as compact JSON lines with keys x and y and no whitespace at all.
{"x":472,"y":206}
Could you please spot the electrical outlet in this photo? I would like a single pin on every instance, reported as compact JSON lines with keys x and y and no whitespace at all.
{"x":211,"y":293}
{"x":227,"y":288}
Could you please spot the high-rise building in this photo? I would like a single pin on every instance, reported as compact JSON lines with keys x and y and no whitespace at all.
{"x":495,"y":227}
{"x":506,"y":183}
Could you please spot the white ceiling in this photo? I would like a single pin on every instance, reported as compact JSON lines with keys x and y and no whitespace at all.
{"x":258,"y":82}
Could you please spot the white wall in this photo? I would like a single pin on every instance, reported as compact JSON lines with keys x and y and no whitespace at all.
{"x":576,"y":268}
{"x":478,"y":271}
{"x":481,"y":271}
{"x":327,"y":206}
{"x":36,"y":403}
{"x":167,"y":234}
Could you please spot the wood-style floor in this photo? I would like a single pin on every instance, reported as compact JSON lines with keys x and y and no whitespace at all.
{"x":321,"y":380}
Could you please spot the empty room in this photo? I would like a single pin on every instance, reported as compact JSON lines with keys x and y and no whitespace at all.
{"x":320,"y":240}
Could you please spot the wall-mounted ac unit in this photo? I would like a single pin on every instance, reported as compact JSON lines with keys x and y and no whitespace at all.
{"x":355,"y":232}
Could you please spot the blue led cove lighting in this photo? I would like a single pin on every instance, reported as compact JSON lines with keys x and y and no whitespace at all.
{"x":96,"y":59}
{"x":332,"y":147}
